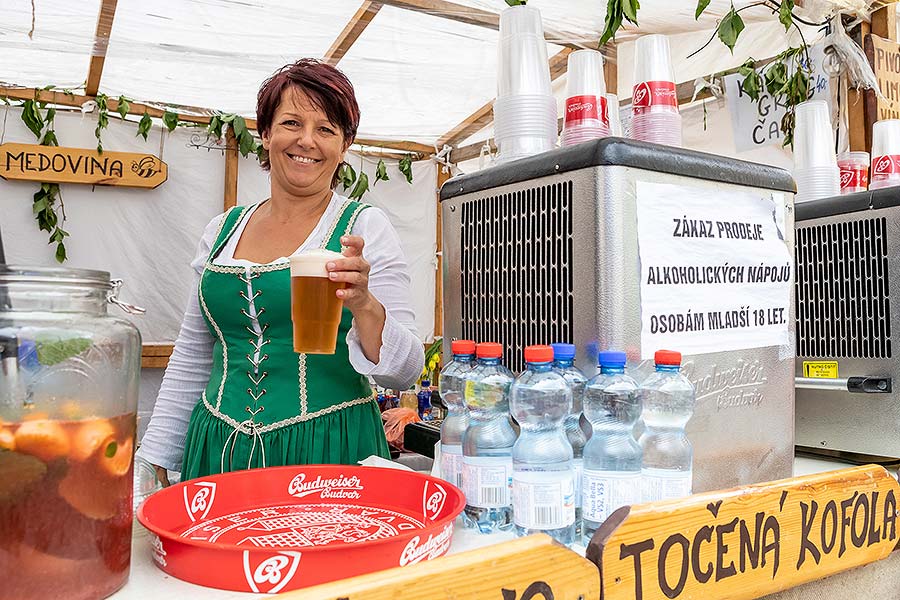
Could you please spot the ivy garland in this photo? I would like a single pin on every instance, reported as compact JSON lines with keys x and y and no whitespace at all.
{"x":786,"y":77}
{"x":48,"y":207}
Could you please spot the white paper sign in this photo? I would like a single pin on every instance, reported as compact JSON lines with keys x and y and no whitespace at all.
{"x":758,"y":123}
{"x":716,"y":274}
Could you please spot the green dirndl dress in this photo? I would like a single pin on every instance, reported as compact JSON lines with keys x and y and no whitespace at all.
{"x":266,"y":405}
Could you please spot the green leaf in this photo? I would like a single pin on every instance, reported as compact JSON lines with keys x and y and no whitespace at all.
{"x":245,"y":143}
{"x":787,"y":128}
{"x":215,"y":127}
{"x":361,"y":187}
{"x":50,"y":139}
{"x":730,"y":28}
{"x":613,"y":20}
{"x":101,"y":102}
{"x":776,"y":78}
{"x":260,"y":151}
{"x":103,"y":120}
{"x":51,"y":114}
{"x":239,"y":126}
{"x":144,"y":126}
{"x":381,"y":172}
{"x":406,"y":167}
{"x":31,"y":116}
{"x":785,"y":13}
{"x":228,"y":118}
{"x":170,"y":120}
{"x":123,"y":107}
{"x":751,"y":85}
{"x":346,"y":175}
{"x":516,"y":2}
{"x":629,"y":10}
{"x":61,"y":252}
{"x":701,"y":6}
{"x":53,"y":350}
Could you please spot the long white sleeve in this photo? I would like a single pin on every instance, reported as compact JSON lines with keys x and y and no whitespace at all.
{"x":186,"y":375}
{"x":402,"y":356}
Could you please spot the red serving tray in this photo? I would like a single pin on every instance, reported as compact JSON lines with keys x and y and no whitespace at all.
{"x":284,"y":528}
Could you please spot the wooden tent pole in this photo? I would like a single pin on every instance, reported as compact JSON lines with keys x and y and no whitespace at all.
{"x":231,"y":169}
{"x":101,"y":42}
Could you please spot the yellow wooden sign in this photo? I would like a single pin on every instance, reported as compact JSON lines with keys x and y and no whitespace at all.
{"x":530,"y":568}
{"x":750,"y":541}
{"x":53,"y":164}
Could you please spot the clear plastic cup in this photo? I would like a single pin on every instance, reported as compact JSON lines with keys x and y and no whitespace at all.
{"x":813,"y":136}
{"x":525,"y":115}
{"x":885,"y":170}
{"x":658,"y":128}
{"x":523,"y":66}
{"x":654,"y":79}
{"x":517,"y":147}
{"x":854,"y":167}
{"x":817,"y":182}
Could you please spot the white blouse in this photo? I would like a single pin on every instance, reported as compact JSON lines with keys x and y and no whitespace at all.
{"x":400,"y":361}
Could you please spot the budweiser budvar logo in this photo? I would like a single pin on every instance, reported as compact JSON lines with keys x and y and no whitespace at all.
{"x":885,"y":165}
{"x":433,"y":500}
{"x":271,"y":573}
{"x":433,"y":547}
{"x":654,"y":93}
{"x":335,"y":487}
{"x":159,"y":553}
{"x":199,"y":498}
{"x":642,"y":95}
{"x":846,"y":178}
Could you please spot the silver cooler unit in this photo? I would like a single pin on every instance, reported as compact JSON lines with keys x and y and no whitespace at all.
{"x":545,"y":249}
{"x":848,"y":256}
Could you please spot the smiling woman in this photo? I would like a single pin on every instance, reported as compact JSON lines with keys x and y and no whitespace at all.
{"x":235,"y":394}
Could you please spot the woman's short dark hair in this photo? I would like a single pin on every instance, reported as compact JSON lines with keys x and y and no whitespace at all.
{"x":326,"y":87}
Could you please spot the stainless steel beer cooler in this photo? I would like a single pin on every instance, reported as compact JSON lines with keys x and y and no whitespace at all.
{"x":848,"y":248}
{"x":545,"y":249}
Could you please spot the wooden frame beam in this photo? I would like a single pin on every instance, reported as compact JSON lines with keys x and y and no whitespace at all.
{"x":101,"y":42}
{"x":480,"y":18}
{"x":352,"y":31}
{"x":480,"y":119}
{"x":231,"y":169}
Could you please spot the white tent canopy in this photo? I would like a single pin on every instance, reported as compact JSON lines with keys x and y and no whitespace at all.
{"x":417,"y":75}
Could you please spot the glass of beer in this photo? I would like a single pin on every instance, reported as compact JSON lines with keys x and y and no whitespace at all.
{"x":315,"y":307}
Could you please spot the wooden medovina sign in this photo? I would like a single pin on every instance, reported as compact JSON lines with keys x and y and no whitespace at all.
{"x":53,"y":164}
{"x":750,"y":541}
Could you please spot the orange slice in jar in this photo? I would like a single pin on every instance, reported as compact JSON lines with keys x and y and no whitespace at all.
{"x":89,"y":492}
{"x":43,"y":439}
{"x":7,"y":439}
{"x":91,"y":437}
{"x":116,"y":458}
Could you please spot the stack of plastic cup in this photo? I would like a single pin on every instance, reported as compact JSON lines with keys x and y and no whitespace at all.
{"x":854,"y":167}
{"x":654,"y":101}
{"x":615,"y":121}
{"x":885,"y":154}
{"x":525,"y":109}
{"x":815,"y":164}
{"x":586,"y":116}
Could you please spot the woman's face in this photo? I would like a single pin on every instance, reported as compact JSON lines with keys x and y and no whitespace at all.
{"x":304,"y":147}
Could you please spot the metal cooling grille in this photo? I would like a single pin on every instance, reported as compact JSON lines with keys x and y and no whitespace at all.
{"x":843,"y":309}
{"x":517,"y":269}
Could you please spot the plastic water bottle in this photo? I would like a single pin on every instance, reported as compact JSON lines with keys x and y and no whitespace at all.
{"x":668,"y":403}
{"x":424,"y":401}
{"x":612,"y":457}
{"x":578,"y":429}
{"x":543,"y":470}
{"x":452,"y":384}
{"x":488,"y":443}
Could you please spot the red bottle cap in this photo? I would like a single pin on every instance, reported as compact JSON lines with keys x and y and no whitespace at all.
{"x":667,"y":357}
{"x":462,"y":347}
{"x":489,"y":350}
{"x":538,"y":354}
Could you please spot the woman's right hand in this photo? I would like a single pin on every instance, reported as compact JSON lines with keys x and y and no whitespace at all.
{"x":162,"y":475}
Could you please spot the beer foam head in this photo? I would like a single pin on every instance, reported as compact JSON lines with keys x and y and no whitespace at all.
{"x":312,"y":263}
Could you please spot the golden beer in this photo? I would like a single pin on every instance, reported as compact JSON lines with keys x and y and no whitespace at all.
{"x":315,"y":307}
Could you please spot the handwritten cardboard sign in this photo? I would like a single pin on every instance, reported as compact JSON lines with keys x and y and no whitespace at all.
{"x":53,"y":164}
{"x":884,"y":56}
{"x":749,"y":541}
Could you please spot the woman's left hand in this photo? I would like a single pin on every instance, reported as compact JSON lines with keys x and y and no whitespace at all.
{"x":352,"y":270}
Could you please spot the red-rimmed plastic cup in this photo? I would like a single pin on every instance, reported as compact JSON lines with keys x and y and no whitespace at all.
{"x":885,"y":170}
{"x":585,"y":113}
{"x":654,"y":100}
{"x":615,"y":122}
{"x":854,"y":167}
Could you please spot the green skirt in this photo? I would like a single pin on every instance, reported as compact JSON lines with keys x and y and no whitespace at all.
{"x":343,"y":437}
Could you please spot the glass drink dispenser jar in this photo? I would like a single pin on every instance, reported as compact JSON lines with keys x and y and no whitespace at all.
{"x":69,"y":375}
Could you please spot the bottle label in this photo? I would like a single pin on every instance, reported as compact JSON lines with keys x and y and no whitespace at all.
{"x":579,"y":478}
{"x":451,"y":464}
{"x":487,"y":480}
{"x":648,"y":94}
{"x":606,"y":491}
{"x":664,"y":484}
{"x":543,"y":499}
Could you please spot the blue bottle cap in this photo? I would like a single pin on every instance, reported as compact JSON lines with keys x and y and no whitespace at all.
{"x":563,"y":351}
{"x":611,"y":358}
